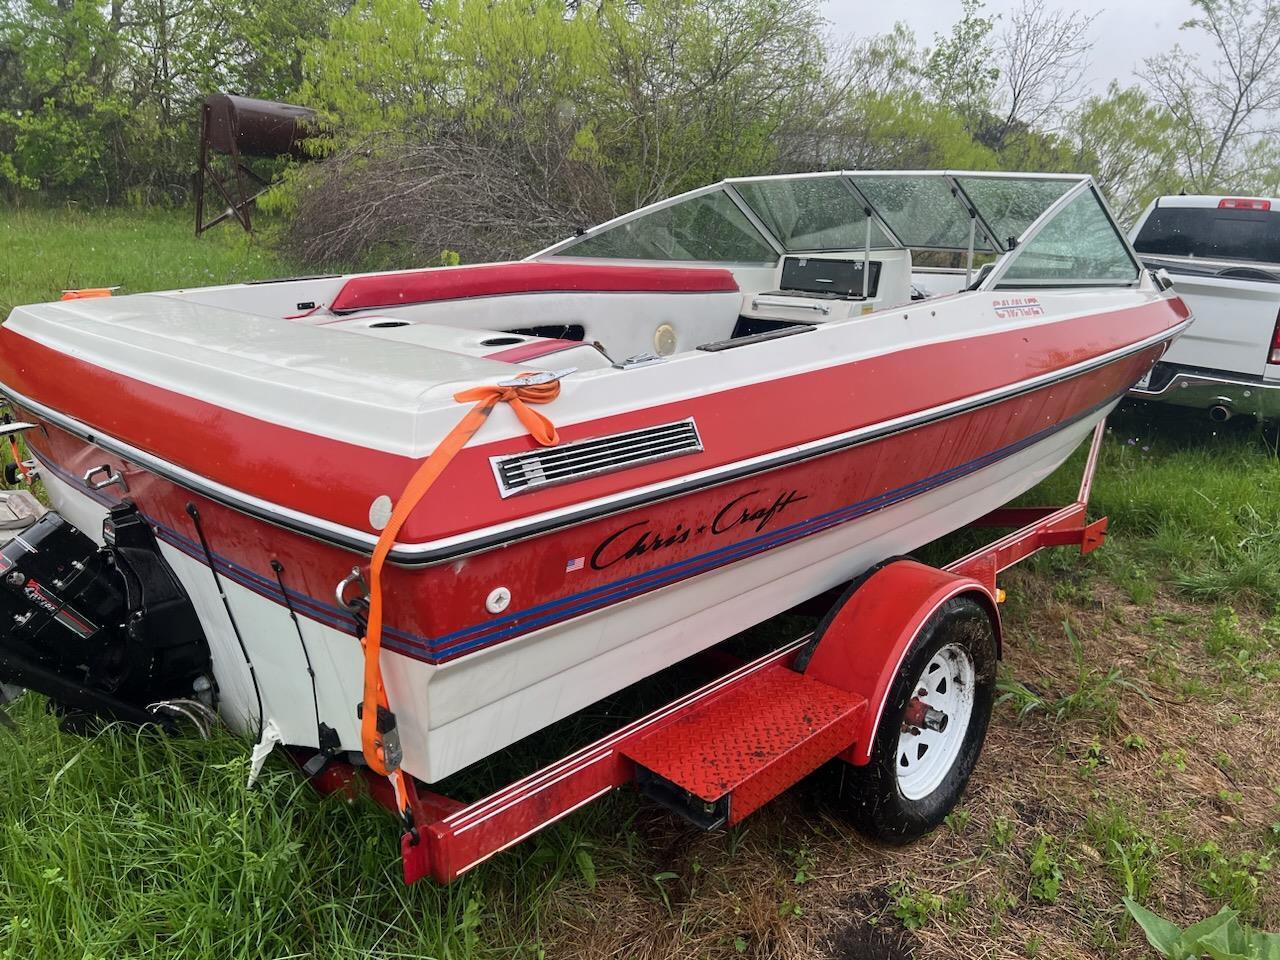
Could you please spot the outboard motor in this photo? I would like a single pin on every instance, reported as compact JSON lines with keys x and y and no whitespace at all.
{"x":104,"y":630}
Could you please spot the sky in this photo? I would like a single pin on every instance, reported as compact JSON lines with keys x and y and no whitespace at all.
{"x":1124,"y":33}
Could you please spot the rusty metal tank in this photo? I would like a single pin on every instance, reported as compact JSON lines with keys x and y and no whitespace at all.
{"x":256,"y":128}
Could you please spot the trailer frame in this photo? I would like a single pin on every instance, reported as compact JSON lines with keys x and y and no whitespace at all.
{"x":769,"y":722}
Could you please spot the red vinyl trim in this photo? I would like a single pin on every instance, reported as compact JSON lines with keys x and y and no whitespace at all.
{"x":498,"y":279}
{"x":532,"y":349}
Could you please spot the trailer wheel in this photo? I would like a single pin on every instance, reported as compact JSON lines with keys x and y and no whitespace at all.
{"x":931,"y":730}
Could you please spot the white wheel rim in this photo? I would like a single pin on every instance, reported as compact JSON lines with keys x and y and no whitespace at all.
{"x":925,"y":756}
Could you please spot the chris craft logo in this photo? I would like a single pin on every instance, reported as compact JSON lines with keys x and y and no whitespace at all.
{"x":1014,"y":308}
{"x":748,"y":511}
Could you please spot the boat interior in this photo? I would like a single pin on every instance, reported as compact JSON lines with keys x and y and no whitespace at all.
{"x":739,"y":262}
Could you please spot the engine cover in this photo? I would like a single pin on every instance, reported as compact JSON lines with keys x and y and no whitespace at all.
{"x":106,"y":630}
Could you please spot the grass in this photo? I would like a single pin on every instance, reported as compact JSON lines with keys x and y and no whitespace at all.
{"x":48,"y":251}
{"x":1093,"y":691}
{"x":128,"y":845}
{"x":1134,"y":756}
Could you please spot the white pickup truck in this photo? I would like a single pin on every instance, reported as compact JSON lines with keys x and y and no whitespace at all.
{"x":1223,"y":256}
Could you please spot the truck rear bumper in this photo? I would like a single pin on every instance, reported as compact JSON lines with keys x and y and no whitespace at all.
{"x":1211,"y":390}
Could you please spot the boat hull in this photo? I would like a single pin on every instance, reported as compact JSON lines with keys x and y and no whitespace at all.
{"x":637,"y":638}
{"x":609,"y":601}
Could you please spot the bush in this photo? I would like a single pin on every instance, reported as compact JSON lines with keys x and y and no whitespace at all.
{"x":408,"y":201}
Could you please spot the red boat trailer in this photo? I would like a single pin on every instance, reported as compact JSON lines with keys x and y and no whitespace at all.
{"x":724,"y":750}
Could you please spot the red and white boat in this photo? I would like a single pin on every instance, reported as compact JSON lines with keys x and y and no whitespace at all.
{"x":758,"y":400}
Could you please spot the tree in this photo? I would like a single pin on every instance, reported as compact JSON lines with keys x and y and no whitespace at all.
{"x":877,"y":130}
{"x":959,"y":68}
{"x":175,"y":52}
{"x":880,"y":63}
{"x":877,"y":109}
{"x":59,"y":104}
{"x":1130,"y":144}
{"x":659,"y":97}
{"x":382,"y":65}
{"x":100,"y":100}
{"x":695,"y":90}
{"x":1225,"y":109}
{"x":1044,"y":56}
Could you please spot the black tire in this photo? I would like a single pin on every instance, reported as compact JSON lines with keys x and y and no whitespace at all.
{"x":869,"y":795}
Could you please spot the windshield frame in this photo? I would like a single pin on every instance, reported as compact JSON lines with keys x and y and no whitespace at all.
{"x":983,"y":237}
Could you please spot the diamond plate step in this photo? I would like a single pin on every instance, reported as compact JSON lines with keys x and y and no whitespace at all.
{"x":731,"y":755}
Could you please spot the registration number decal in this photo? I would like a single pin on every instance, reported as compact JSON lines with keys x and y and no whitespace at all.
{"x":1014,"y":308}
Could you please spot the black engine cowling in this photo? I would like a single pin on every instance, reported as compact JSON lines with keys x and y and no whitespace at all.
{"x":103,"y":630}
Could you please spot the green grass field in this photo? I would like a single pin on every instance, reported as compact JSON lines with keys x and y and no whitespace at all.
{"x":43,"y":252}
{"x":1134,"y":753}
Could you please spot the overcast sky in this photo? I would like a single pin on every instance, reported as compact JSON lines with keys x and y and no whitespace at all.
{"x":1124,"y":32}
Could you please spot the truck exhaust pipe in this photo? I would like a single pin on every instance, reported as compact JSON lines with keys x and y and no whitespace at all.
{"x":1220,"y":413}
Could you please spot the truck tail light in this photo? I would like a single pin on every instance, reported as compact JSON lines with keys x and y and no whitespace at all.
{"x":1243,"y":203}
{"x":1274,"y":356}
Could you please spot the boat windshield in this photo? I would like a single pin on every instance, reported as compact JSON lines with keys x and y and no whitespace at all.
{"x":812,"y":213}
{"x":1054,"y":227}
{"x":706,"y":227}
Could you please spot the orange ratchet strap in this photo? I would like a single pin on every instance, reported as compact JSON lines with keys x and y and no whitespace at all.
{"x":378,"y":735}
{"x":17,"y":459}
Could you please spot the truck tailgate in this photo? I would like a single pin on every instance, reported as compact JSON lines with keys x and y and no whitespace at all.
{"x":1234,"y":323}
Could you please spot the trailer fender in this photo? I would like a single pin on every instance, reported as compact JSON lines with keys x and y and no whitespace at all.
{"x":861,"y":643}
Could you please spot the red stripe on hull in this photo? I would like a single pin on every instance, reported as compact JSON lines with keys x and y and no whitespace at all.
{"x":329,"y":478}
{"x":637,"y":550}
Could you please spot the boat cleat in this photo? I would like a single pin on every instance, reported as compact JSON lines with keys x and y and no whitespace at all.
{"x":536,"y":379}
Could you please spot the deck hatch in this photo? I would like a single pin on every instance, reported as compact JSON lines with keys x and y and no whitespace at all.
{"x":521,"y":472}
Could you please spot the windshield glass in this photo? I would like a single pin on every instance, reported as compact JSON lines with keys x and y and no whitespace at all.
{"x":920,"y":210}
{"x":811,"y":213}
{"x":1011,"y":205}
{"x":1212,"y":233}
{"x":706,"y":227}
{"x":1079,"y":244}
{"x":752,"y":220}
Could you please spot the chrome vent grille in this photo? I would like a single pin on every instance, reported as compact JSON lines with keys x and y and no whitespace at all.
{"x":520,"y":472}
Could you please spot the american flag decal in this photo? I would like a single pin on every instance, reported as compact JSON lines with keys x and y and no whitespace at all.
{"x":575,"y":564}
